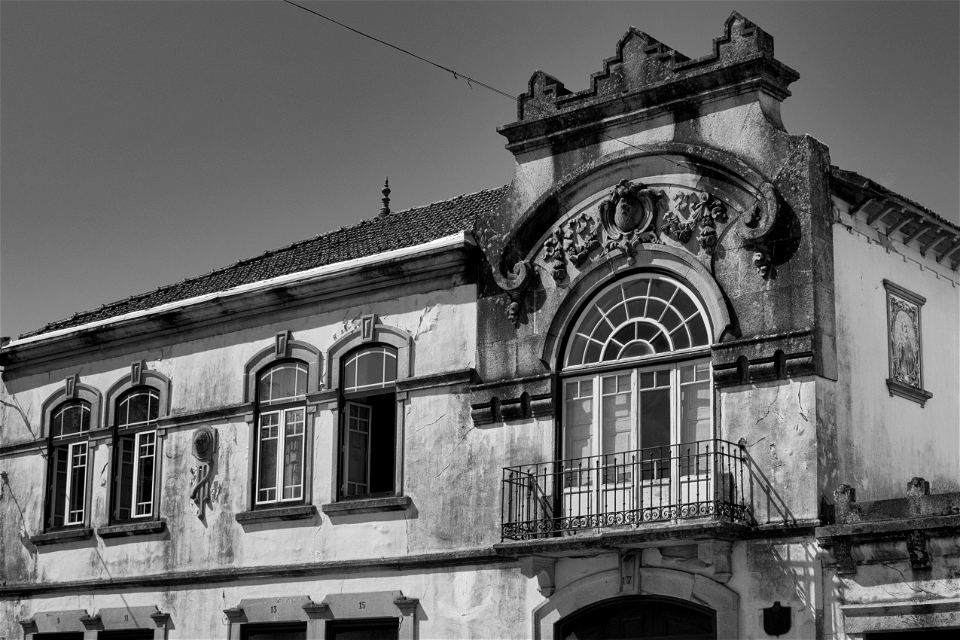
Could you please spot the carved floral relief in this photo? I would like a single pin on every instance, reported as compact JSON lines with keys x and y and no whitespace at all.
{"x":633,"y":214}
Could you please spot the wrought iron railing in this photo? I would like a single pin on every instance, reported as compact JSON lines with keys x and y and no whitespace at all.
{"x":659,"y":484}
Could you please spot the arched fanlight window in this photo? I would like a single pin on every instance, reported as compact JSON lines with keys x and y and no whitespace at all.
{"x":640,"y":316}
{"x":283,"y":382}
{"x":370,"y":369}
{"x":138,"y":407}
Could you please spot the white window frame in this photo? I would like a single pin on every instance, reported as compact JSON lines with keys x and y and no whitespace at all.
{"x":675,"y":479}
{"x":281,"y":437}
{"x":137,"y":457}
{"x":68,"y":493}
{"x":346,"y":450}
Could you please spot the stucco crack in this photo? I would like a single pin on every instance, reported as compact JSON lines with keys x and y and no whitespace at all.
{"x":430,"y":424}
{"x":800,"y":404}
{"x":15,"y":405}
{"x":452,"y":451}
{"x":906,"y":583}
{"x":770,"y":408}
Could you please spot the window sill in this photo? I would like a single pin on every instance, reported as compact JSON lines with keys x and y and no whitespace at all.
{"x":370,"y":505}
{"x":66,"y":535}
{"x":132,"y":529}
{"x":299,"y":512}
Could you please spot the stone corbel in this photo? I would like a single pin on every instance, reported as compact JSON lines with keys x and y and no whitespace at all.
{"x":543,"y":569}
{"x":90,"y":622}
{"x":234,"y":615}
{"x":316,"y":610}
{"x":717,"y":554}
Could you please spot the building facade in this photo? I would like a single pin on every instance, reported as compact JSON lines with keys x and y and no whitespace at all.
{"x":680,"y":378}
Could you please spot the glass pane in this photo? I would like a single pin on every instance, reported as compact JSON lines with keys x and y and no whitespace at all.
{"x":695,"y":412}
{"x":293,"y":455}
{"x":615,"y":419}
{"x":61,"y":461}
{"x":579,"y":414}
{"x":686,"y":373}
{"x":265,"y":386}
{"x":390,"y":367}
{"x":370,"y":368}
{"x":350,"y":373}
{"x":78,"y":475}
{"x":71,"y":419}
{"x":286,"y":378}
{"x":358,"y":445}
{"x":138,"y":407}
{"x":655,"y":432}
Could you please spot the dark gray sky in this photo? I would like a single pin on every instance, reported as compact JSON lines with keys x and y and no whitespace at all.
{"x":144,"y":143}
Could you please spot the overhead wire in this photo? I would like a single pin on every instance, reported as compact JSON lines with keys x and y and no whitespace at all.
{"x":457,"y":75}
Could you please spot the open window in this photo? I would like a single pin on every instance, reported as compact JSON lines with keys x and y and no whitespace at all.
{"x":69,"y":462}
{"x":368,"y":432}
{"x":135,"y":455}
{"x":280,"y":434}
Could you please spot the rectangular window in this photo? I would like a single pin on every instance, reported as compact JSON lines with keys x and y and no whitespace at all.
{"x":369,"y":446}
{"x":357,"y":465}
{"x":136,"y":466}
{"x":280,"y":456}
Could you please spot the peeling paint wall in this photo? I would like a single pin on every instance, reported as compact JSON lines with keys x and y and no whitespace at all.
{"x":886,"y":440}
{"x":441,"y":449}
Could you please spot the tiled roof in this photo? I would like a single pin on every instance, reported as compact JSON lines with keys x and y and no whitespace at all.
{"x":385,"y":233}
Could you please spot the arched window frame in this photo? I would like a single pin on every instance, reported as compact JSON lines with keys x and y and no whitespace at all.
{"x":621,"y":441}
{"x":73,"y":392}
{"x":145,"y":441}
{"x":370,"y":333}
{"x":284,"y":350}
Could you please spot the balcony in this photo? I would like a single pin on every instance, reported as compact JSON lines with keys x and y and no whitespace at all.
{"x":628,"y":490}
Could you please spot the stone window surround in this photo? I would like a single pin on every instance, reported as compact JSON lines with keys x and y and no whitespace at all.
{"x":354,"y":607}
{"x":369,"y":333}
{"x":284,"y":349}
{"x":139,"y":376}
{"x":72,"y":389}
{"x":105,"y":619}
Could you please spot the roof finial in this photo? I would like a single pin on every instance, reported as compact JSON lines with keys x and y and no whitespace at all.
{"x":385,"y":209}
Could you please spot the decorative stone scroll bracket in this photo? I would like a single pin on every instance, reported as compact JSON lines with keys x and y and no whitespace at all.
{"x":757,"y":228}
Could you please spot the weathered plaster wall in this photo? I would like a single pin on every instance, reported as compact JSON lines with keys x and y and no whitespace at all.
{"x":778,"y":421}
{"x":886,"y":440}
{"x":442,"y":451}
{"x":466,"y":602}
{"x":895,"y":596}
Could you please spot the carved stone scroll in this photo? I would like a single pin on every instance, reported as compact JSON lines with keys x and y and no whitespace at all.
{"x":204,"y":448}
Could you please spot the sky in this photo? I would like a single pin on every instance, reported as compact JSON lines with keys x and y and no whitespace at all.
{"x":142,"y":143}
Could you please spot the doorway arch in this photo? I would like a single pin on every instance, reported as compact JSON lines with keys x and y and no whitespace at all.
{"x":639,"y":617}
